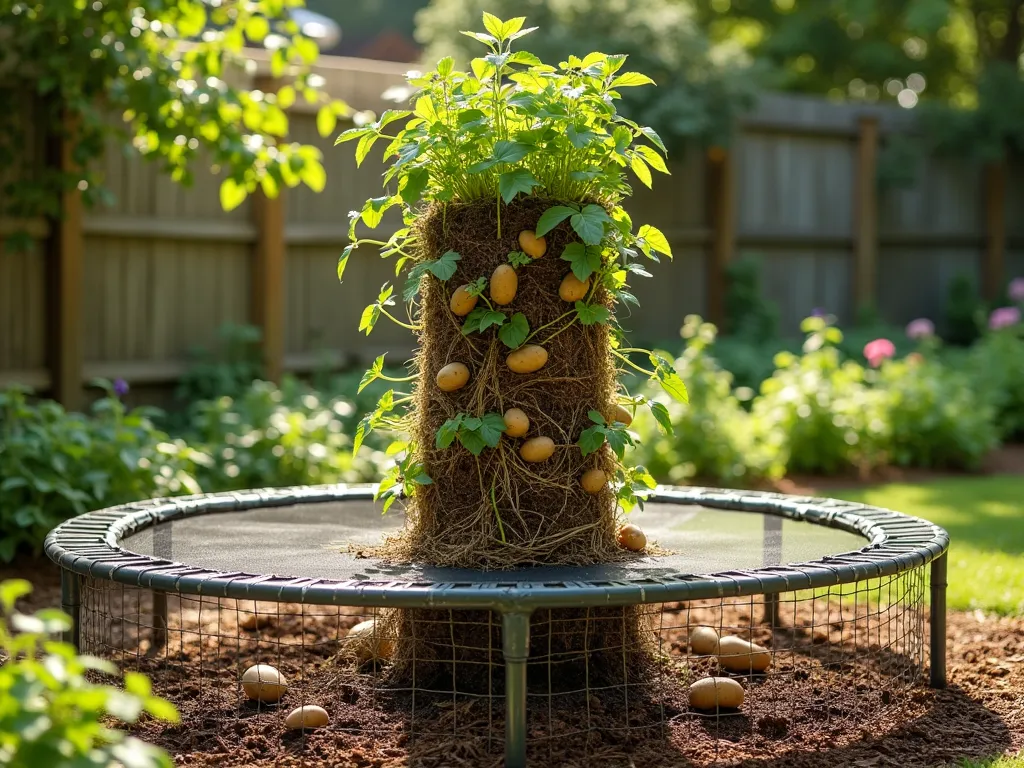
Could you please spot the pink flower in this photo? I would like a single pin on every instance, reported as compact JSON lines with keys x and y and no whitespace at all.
{"x":1003,"y":317}
{"x":1016,"y":289}
{"x":922,"y":328}
{"x":878,"y":350}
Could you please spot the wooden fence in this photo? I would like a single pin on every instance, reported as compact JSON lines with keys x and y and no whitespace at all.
{"x":128,"y":290}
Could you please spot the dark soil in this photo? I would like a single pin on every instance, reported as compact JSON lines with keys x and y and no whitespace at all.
{"x":859,"y":714}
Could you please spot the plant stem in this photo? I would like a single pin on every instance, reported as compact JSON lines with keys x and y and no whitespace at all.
{"x":396,"y":321}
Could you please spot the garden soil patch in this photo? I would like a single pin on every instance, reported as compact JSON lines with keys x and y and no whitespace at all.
{"x":979,"y":715}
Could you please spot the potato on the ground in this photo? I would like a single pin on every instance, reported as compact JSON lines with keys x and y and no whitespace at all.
{"x":504,"y":284}
{"x":738,"y":655}
{"x":593,"y":481}
{"x":716,"y":693}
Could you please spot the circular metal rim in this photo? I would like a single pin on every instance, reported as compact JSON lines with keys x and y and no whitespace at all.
{"x":89,"y":545}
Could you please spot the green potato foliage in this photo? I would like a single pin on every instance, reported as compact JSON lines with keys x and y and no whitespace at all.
{"x":513,"y":126}
{"x":51,"y":713}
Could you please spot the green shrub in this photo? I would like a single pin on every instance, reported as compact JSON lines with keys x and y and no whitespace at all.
{"x":51,"y":714}
{"x":273,"y":437}
{"x":997,"y":361}
{"x":712,"y":438}
{"x":817,"y":412}
{"x":935,"y":418}
{"x":55,"y":465}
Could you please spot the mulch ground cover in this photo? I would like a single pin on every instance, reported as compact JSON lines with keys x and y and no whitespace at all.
{"x":792,"y":718}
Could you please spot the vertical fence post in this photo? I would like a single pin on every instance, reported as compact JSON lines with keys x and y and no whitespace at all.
{"x":993,"y":269}
{"x":268,"y":280}
{"x":66,"y":250}
{"x":865,"y":214}
{"x":721,"y":196}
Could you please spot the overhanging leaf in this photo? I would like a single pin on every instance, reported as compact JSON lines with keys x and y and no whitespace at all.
{"x":591,"y":440}
{"x":589,"y":223}
{"x":654,"y":238}
{"x":444,"y":267}
{"x":552,"y":217}
{"x":585,"y":259}
{"x":512,"y":183}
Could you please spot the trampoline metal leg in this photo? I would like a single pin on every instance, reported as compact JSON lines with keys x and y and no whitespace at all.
{"x":938,"y":622}
{"x":159,"y":621}
{"x":71,"y":604}
{"x":515,"y":641}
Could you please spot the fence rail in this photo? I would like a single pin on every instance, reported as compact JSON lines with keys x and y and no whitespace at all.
{"x":128,"y":290}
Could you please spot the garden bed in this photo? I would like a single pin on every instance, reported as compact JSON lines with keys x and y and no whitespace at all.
{"x":978,"y":716}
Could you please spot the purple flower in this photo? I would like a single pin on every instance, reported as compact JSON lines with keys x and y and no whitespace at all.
{"x":879,"y":350}
{"x":818,"y":312}
{"x":922,"y":328}
{"x":1003,"y":317}
{"x":120,"y":387}
{"x":1016,"y":289}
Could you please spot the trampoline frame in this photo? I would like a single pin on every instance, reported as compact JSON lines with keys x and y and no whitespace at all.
{"x":89,"y":545}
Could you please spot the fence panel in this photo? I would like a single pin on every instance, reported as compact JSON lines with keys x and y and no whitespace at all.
{"x":165,"y":267}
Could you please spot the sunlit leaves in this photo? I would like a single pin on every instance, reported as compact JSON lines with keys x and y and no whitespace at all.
{"x":669,"y":380}
{"x":372,"y":313}
{"x":651,"y":238}
{"x":372,"y":374}
{"x":631,"y":79}
{"x":232,"y":194}
{"x":343,"y":260}
{"x":641,"y":170}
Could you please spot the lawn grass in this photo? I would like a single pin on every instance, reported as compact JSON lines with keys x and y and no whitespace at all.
{"x":985,"y":520}
{"x":995,"y":762}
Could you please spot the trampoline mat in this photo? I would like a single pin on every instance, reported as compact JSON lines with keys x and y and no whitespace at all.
{"x":322,"y":541}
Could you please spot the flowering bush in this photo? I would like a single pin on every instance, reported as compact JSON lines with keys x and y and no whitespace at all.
{"x":817,"y":411}
{"x":997,"y":362}
{"x":51,"y":714}
{"x":878,"y":351}
{"x":1003,"y":317}
{"x":934,"y":417}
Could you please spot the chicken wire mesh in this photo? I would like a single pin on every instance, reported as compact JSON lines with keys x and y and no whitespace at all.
{"x":562,"y":663}
{"x":841,"y":658}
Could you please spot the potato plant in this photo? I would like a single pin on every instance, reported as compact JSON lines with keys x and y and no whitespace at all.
{"x":534,"y":158}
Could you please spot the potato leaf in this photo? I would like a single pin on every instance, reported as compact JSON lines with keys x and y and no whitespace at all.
{"x":585,"y":259}
{"x":514,"y":332}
